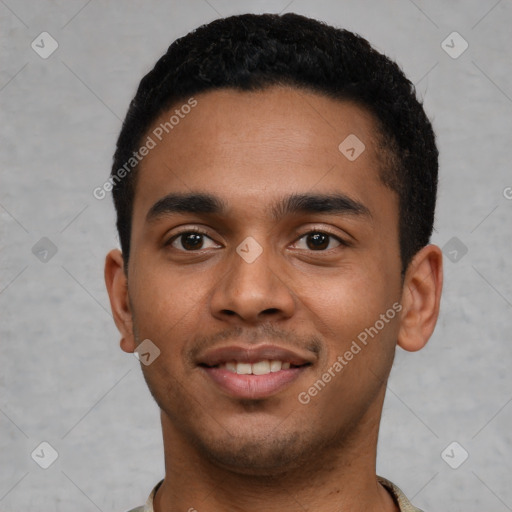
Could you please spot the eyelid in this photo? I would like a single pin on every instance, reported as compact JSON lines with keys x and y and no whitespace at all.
{"x":342,"y":240}
{"x":185,"y":230}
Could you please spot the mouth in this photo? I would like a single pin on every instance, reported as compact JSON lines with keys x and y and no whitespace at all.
{"x":253,"y":373}
{"x":263,"y":367}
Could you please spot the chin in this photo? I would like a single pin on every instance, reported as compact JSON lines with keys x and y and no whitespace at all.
{"x":270,"y":455}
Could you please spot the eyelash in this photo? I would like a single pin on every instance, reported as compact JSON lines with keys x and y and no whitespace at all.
{"x":313,"y":231}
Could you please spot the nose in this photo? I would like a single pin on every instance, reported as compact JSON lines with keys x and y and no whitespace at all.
{"x":252,"y":290}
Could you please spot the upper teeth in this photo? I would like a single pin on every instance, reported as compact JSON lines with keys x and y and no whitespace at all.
{"x":259,"y":368}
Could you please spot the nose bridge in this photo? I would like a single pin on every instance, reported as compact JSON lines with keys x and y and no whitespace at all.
{"x":251,"y":285}
{"x":251,"y":269}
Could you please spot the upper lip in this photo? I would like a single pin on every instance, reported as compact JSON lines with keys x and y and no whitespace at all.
{"x":253,"y":354}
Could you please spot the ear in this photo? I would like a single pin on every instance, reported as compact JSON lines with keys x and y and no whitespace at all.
{"x":421,"y":297}
{"x":117,"y":287}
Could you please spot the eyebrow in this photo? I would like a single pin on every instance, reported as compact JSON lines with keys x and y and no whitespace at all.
{"x":293,"y":204}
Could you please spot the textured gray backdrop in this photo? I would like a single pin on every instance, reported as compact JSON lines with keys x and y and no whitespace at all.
{"x":64,"y":380}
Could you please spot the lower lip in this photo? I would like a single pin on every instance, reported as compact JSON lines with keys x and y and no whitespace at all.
{"x":253,"y":386}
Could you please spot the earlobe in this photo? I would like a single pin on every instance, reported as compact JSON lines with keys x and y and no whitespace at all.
{"x":421,"y":297}
{"x":117,"y":287}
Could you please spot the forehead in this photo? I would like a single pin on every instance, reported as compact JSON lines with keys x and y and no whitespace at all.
{"x":253,"y":147}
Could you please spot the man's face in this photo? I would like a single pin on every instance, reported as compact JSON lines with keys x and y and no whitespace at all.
{"x":257,"y":281}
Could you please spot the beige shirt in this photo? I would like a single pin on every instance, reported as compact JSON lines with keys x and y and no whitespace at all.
{"x":403,"y":503}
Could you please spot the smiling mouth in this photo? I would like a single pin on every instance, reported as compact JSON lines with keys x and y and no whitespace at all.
{"x":253,"y":372}
{"x":253,"y":381}
{"x":263,"y":367}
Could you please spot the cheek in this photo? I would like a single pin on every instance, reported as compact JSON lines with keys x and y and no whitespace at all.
{"x":166,"y":304}
{"x":355,"y":315}
{"x":359,"y":346}
{"x":344,"y":303}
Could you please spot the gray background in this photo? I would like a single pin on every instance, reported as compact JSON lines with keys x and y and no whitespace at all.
{"x":64,"y":379}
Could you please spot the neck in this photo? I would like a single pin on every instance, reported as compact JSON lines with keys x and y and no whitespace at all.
{"x":342,"y":478}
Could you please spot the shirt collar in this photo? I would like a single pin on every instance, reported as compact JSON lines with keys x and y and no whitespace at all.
{"x":400,"y":499}
{"x":403,"y":503}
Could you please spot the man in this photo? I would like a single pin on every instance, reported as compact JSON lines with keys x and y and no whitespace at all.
{"x":275,"y":183}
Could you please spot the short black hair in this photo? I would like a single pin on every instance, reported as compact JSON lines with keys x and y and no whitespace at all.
{"x":254,"y":51}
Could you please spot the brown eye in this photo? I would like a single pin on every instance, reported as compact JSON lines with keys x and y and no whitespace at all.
{"x":318,"y":241}
{"x":191,"y":241}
